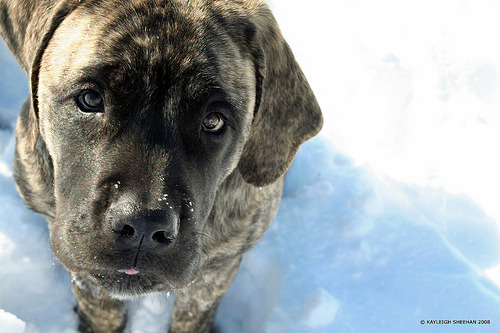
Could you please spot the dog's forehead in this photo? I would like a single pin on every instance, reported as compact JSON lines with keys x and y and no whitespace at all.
{"x":134,"y":38}
{"x":152,"y":34}
{"x":157,"y":44}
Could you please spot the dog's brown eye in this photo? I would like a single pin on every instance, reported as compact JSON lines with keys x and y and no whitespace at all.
{"x":213,"y":123}
{"x":90,"y":101}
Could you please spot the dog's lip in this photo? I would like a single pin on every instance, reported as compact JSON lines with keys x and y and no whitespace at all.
{"x":131,"y":271}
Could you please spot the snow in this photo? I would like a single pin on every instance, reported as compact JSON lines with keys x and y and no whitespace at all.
{"x":10,"y":323}
{"x":389,"y":217}
{"x":320,"y":309}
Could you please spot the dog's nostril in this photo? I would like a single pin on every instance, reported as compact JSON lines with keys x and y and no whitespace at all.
{"x":126,"y":230}
{"x":163,"y":237}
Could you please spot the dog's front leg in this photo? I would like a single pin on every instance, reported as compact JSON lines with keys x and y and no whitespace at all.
{"x":97,"y":311}
{"x":195,"y":307}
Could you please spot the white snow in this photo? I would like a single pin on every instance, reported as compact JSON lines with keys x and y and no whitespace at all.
{"x":10,"y":323}
{"x":319,"y":309}
{"x":389,"y":217}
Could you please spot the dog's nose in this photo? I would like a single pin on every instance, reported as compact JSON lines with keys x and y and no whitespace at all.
{"x":148,"y":229}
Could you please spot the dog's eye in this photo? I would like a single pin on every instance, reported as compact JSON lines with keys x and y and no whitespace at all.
{"x":90,"y":101}
{"x":213,"y":123}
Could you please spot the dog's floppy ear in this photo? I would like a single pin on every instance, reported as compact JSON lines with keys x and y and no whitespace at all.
{"x":287,"y":113}
{"x":27,"y":27}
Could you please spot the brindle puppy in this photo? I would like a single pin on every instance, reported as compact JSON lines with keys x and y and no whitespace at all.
{"x":155,"y":142}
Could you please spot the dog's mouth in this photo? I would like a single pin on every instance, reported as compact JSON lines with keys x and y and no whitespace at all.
{"x":132,"y":271}
{"x":129,"y":283}
{"x":125,"y":281}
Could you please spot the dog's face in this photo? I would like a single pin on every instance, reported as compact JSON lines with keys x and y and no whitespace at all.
{"x":140,"y":110}
{"x":144,"y":116}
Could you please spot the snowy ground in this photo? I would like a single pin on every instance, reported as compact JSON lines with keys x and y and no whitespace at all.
{"x":388,"y":218}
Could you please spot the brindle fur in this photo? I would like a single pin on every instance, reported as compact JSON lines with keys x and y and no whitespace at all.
{"x":160,"y":61}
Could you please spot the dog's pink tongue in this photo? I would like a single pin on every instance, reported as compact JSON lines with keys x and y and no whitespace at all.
{"x":131,"y":271}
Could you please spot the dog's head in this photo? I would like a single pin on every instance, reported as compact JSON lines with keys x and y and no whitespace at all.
{"x":145,"y":107}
